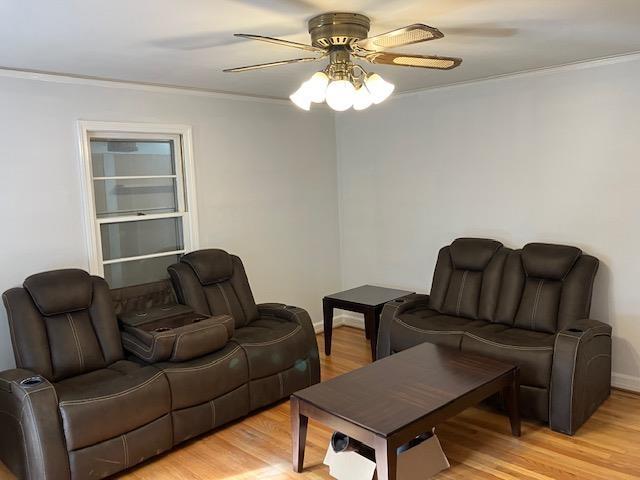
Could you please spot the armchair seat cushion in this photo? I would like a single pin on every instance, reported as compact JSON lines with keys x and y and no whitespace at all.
{"x":272,"y":345}
{"x":532,"y":351}
{"x":419,"y":325}
{"x":109,"y":402}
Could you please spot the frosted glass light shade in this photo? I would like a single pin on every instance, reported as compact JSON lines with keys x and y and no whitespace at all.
{"x":362,"y":99}
{"x":340,"y":95}
{"x":301,"y":98}
{"x":379,"y":88}
{"x":316,"y":87}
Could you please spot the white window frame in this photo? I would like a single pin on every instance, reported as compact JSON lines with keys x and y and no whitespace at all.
{"x":185,"y":184}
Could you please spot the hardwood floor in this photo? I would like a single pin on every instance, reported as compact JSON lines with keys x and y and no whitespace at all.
{"x":477,"y":442}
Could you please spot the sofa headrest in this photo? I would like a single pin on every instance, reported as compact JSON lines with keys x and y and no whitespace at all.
{"x":210,"y":266}
{"x":473,"y":253}
{"x":545,"y":260}
{"x":60,"y":291}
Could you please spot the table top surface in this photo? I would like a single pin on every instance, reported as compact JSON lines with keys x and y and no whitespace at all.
{"x":393,"y":392}
{"x":369,"y":295}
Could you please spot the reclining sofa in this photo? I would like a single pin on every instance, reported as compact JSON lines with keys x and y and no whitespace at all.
{"x":528,"y":307}
{"x":79,"y":405}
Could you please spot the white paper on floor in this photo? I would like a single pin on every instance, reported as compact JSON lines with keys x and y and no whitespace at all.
{"x":418,"y":463}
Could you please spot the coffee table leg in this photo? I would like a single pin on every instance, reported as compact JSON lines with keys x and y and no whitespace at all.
{"x":512,"y":403}
{"x":299,"y":425}
{"x":386,"y":460}
{"x":327,"y":311}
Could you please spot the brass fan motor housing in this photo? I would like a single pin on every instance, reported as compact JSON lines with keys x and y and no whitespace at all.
{"x":338,"y":29}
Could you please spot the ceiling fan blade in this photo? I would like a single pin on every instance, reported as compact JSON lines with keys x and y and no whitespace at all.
{"x":279,"y":41}
{"x":272,"y":64}
{"x":419,"y":61}
{"x":415,"y":33}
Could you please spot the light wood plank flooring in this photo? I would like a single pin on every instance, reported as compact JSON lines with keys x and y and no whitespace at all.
{"x":477,"y":442}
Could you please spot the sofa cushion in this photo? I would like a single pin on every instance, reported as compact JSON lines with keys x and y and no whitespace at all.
{"x":466,"y":281}
{"x":210,"y":266}
{"x":60,"y":291}
{"x":107,"y":403}
{"x":531,"y":351}
{"x":473,"y":253}
{"x":552,"y":262}
{"x":272,"y":345}
{"x":200,"y":380}
{"x":425,"y":325}
{"x":212,"y":282}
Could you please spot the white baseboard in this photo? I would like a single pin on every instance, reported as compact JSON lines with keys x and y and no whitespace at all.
{"x":625,"y":382}
{"x":343,"y":319}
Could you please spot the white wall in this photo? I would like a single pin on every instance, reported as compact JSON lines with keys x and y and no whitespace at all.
{"x":551,"y":156}
{"x":266,"y":183}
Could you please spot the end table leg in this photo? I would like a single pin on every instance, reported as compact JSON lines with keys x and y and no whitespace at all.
{"x":370,"y":319}
{"x":299,"y":425}
{"x":512,"y":403}
{"x":327,"y":311}
{"x":386,"y":460}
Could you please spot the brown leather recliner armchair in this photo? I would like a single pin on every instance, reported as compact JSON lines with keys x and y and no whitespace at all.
{"x":74,"y":407}
{"x":278,"y":340}
{"x":528,"y":307}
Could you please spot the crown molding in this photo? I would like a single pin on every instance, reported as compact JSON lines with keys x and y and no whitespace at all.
{"x":72,"y":79}
{"x":565,"y":67}
{"x":55,"y":77}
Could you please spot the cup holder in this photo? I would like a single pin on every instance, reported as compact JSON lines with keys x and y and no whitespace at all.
{"x":31,"y":381}
{"x":575,"y":330}
{"x":161,"y":329}
{"x":289,"y":307}
{"x":197,"y":320}
{"x":166,"y":309}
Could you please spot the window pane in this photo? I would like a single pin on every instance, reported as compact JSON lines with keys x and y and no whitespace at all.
{"x":117,"y":158}
{"x":138,"y":271}
{"x":135,"y":196}
{"x":130,"y":239}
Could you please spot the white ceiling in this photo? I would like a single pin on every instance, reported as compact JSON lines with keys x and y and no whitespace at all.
{"x":188,"y":42}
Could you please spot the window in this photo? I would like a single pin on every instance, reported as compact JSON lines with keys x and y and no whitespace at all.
{"x":139,"y":200}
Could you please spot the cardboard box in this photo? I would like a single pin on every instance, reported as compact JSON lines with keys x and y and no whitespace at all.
{"x":417,"y":463}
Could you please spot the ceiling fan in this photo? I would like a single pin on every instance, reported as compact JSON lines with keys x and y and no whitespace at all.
{"x":344,"y":84}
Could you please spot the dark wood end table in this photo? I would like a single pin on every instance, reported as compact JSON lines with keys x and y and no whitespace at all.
{"x":368,"y":300}
{"x":389,"y":402}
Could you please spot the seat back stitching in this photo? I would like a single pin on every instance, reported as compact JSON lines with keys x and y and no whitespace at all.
{"x":77,"y":341}
{"x":226,"y":299}
{"x":535,"y":305}
{"x":461,"y":291}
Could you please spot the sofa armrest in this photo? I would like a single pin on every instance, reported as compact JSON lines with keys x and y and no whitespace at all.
{"x":32,"y":441}
{"x":390,"y":311}
{"x":581,"y":374}
{"x":301,"y":317}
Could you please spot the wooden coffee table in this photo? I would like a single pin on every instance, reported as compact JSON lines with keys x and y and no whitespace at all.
{"x":391,"y":401}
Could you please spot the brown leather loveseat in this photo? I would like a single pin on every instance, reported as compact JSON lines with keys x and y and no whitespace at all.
{"x":79,"y":407}
{"x":528,"y":307}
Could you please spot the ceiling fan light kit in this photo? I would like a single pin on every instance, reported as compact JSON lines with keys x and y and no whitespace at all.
{"x":344,"y":84}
